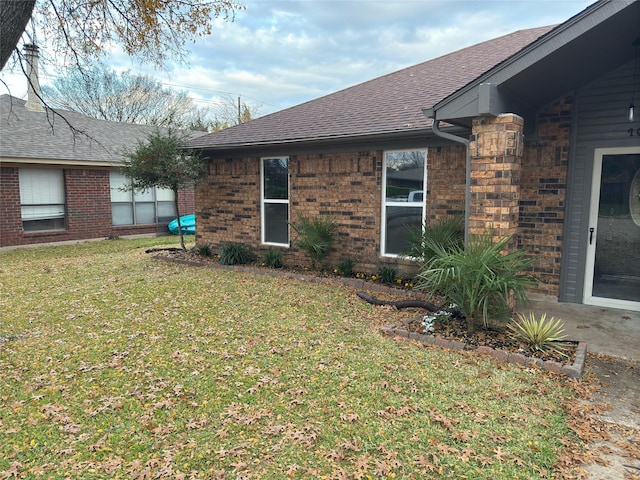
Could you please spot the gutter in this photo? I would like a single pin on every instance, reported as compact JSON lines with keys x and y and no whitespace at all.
{"x":430,"y":113}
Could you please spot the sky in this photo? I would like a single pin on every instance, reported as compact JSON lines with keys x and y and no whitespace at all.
{"x":280,"y":53}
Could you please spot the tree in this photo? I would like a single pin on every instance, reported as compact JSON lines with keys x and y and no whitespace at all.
{"x":81,"y":31}
{"x":100,"y":92}
{"x":162,"y":162}
{"x":229,"y":112}
{"x":14,"y":17}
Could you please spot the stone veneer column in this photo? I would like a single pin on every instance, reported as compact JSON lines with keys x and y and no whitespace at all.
{"x":496,"y":150}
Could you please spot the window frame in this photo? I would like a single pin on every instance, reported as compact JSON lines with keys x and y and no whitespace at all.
{"x":57,"y":222}
{"x":264,"y":201}
{"x":153,"y":200}
{"x":390,"y":203}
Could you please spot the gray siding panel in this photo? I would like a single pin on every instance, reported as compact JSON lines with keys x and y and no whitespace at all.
{"x":600,"y":121}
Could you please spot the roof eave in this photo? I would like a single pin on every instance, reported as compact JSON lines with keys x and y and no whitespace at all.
{"x":484,"y":95}
{"x":58,"y":161}
{"x":423,"y":136}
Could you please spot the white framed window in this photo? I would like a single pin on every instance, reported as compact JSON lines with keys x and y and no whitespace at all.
{"x":42,"y":199}
{"x":156,"y":205}
{"x":274,"y":188}
{"x":404,"y":198}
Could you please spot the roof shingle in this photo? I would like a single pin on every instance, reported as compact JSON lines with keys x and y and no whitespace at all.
{"x":387,"y":104}
{"x":33,"y":135}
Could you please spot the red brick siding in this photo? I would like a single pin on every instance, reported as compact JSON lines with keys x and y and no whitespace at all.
{"x":10,"y":216}
{"x":520,"y":191}
{"x":88,"y":209}
{"x":446,"y":176}
{"x":543,"y":192}
{"x":496,"y":155}
{"x":345,"y":186}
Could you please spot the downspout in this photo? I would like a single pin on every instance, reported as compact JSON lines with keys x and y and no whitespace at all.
{"x":467,"y":195}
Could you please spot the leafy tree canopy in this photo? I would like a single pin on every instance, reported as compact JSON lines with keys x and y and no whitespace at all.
{"x":162,"y":162}
{"x":81,"y":31}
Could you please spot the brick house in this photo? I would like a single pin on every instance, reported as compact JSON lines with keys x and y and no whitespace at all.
{"x":59,"y":185}
{"x":528,"y":134}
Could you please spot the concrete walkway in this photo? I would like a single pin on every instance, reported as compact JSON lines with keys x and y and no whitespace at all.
{"x":613,"y":339}
{"x":607,"y":331}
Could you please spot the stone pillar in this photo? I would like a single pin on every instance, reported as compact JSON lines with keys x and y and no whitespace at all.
{"x":496,"y":150}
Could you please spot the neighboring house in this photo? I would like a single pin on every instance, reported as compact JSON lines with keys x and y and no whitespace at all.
{"x":60,"y":185}
{"x":528,"y":135}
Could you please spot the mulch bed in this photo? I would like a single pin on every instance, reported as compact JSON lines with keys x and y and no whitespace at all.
{"x":456,"y":329}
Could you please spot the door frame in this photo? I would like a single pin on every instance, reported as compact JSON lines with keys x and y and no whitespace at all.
{"x":594,"y":204}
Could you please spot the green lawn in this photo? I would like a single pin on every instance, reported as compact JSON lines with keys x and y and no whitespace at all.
{"x":116,"y":365}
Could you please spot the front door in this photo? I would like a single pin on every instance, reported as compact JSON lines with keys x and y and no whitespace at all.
{"x":613,"y":253}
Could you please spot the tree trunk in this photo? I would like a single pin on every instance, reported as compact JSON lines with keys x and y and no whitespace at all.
{"x":175,"y":195}
{"x":14,"y":16}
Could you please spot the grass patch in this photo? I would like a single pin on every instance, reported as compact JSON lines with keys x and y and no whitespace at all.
{"x":122,"y":366}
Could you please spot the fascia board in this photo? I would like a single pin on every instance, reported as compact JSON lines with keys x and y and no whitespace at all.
{"x":52,"y":161}
{"x":466,"y":101}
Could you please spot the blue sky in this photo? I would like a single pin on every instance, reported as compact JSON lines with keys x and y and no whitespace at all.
{"x":279,"y":53}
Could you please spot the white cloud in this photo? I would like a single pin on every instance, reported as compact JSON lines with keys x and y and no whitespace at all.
{"x":279,"y":53}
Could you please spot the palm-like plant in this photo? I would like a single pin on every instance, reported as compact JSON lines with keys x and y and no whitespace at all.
{"x":480,"y":278}
{"x":448,"y":232}
{"x":314,"y":236}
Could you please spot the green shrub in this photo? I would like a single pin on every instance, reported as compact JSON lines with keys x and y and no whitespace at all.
{"x":345,"y":267}
{"x":480,"y":278}
{"x":204,"y":250}
{"x":314,"y":237}
{"x":539,"y":334}
{"x":448,"y":233}
{"x":387,"y":274}
{"x":272,"y":258}
{"x":234,"y":253}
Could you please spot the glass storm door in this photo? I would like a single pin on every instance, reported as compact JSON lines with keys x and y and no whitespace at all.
{"x":613,"y":252}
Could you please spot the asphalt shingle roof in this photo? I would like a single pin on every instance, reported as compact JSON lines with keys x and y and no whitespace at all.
{"x":387,"y":104}
{"x":42,"y":135}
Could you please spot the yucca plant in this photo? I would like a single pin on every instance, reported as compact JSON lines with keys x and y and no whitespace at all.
{"x":479,"y":278}
{"x":447,"y":232}
{"x":314,"y":236}
{"x":539,"y":334}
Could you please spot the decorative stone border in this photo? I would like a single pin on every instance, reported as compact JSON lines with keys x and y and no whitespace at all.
{"x":572,"y":371}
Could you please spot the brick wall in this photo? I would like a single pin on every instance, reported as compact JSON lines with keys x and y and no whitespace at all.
{"x":518,"y":188}
{"x":228,"y":203}
{"x":496,"y":150}
{"x":543,"y":192}
{"x":446,"y":176}
{"x":10,"y":216}
{"x":88,"y":206}
{"x":347,"y":186}
{"x":344,"y":186}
